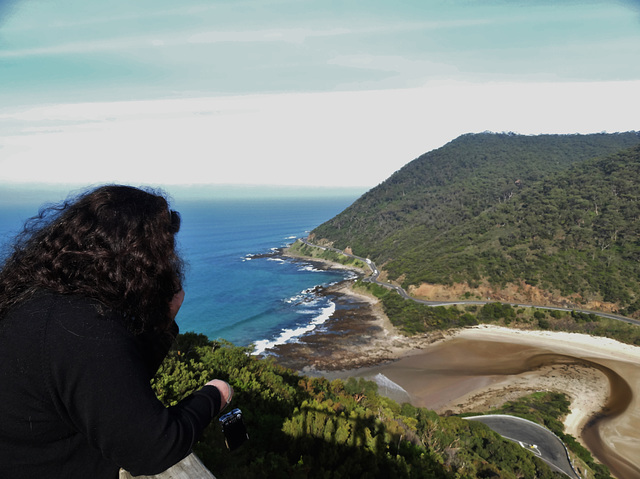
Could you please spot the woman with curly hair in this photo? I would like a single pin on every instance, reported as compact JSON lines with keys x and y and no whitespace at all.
{"x":88,"y":300}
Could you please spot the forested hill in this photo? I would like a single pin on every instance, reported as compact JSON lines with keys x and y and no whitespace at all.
{"x":558,"y":212}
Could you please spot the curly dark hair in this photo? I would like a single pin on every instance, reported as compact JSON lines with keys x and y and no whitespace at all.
{"x":114,"y":244}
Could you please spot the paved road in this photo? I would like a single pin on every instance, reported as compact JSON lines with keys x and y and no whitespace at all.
{"x":374,"y":279}
{"x":533,"y":437}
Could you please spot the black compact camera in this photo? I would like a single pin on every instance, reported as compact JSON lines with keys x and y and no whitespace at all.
{"x":235,"y":434}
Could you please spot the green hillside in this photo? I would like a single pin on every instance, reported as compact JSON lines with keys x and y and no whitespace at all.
{"x":556,"y":212}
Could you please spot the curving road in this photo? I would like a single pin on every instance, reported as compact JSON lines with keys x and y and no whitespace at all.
{"x":533,"y":437}
{"x":374,"y":279}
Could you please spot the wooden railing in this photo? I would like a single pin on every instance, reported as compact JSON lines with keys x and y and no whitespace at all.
{"x":189,"y":468}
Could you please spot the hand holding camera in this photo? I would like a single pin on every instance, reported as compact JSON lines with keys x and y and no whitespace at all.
{"x":235,"y":433}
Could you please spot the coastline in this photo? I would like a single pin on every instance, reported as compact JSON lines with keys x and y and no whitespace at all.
{"x":358,"y":335}
{"x":360,"y":341}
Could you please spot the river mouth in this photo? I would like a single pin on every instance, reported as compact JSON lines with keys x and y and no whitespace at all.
{"x":437,"y":377}
{"x":618,"y":402}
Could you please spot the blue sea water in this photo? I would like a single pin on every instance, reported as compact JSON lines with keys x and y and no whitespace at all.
{"x":236,"y":290}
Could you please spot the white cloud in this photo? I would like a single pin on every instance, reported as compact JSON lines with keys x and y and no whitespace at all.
{"x":291,"y":35}
{"x":117,"y":42}
{"x":321,"y":139}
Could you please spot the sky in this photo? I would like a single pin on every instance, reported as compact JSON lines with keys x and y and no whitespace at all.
{"x":305,"y":93}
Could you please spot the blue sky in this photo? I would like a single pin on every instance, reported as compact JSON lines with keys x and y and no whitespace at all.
{"x":316,"y":93}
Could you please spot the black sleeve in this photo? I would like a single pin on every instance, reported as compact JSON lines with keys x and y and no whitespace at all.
{"x":100,"y":384}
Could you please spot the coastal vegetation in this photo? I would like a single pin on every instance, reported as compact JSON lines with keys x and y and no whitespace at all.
{"x":411,"y":317}
{"x":551,"y":213}
{"x":324,"y":254}
{"x":304,"y":427}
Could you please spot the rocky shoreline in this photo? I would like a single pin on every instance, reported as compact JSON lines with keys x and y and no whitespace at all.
{"x":358,"y":335}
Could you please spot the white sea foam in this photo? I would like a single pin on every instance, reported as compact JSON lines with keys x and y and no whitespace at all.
{"x":304,"y":296}
{"x":310,"y":301}
{"x":279,"y":260}
{"x":294,"y":299}
{"x":288,"y":335}
{"x":309,"y":267}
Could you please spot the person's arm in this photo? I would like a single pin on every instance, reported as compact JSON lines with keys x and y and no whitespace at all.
{"x":100,"y":384}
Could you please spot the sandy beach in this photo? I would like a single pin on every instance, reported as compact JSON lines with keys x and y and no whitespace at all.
{"x":479,"y":368}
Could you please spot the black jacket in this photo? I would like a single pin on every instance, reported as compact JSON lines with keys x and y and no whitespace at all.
{"x":75,"y":398}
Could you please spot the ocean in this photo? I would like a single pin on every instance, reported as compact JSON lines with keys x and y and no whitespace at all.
{"x":236,"y":288}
